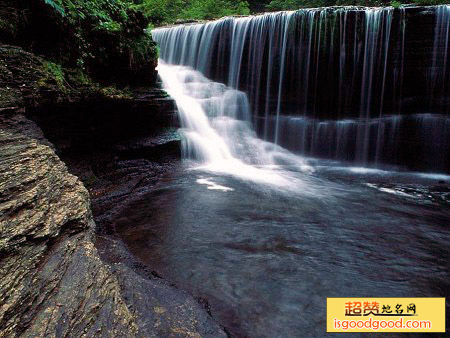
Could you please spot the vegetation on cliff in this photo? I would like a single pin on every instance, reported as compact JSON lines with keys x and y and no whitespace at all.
{"x":169,"y":11}
{"x":104,"y":38}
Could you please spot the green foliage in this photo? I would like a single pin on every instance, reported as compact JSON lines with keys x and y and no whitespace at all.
{"x":281,"y":5}
{"x":106,"y":38}
{"x":161,"y":12}
{"x":53,"y":74}
{"x":56,"y":6}
{"x":210,"y":9}
{"x":113,"y":15}
{"x":109,"y":26}
{"x":77,"y":77}
{"x":105,"y":12}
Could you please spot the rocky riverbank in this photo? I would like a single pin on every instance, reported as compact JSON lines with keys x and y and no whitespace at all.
{"x":60,"y":273}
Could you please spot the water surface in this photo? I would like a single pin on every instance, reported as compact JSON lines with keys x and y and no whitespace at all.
{"x":266,"y":258}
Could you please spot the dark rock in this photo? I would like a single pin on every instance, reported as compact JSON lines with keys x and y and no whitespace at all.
{"x":28,"y":82}
{"x":161,"y":310}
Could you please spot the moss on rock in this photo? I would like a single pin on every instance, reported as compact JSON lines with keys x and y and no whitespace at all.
{"x":27,"y":80}
{"x":52,"y":75}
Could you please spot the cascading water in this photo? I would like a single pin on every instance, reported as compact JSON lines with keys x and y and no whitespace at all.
{"x":439,"y":75}
{"x":216,"y":129}
{"x":345,"y":83}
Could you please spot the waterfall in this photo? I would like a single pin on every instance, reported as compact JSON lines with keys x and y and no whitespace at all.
{"x":345,"y":83}
{"x":440,"y":77}
{"x":216,"y":129}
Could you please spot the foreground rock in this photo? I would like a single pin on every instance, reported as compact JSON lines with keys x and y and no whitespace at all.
{"x":52,"y":280}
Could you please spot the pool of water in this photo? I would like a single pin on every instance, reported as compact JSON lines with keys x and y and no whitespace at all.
{"x":266,"y":258}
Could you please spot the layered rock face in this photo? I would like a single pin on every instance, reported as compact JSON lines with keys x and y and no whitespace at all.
{"x":54,"y":279}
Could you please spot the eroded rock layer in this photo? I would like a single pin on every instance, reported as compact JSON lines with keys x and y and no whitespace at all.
{"x":52,"y":279}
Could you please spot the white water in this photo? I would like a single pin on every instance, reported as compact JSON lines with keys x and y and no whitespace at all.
{"x":216,"y":130}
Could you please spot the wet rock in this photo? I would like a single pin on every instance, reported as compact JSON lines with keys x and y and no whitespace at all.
{"x":161,"y":310}
{"x":163,"y":144}
{"x":104,"y":121}
{"x":52,"y":280}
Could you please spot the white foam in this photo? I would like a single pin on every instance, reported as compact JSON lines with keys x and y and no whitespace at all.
{"x":395,"y":192}
{"x":212,"y":185}
{"x":362,"y":170}
{"x":390,"y":191}
{"x":440,"y":177}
